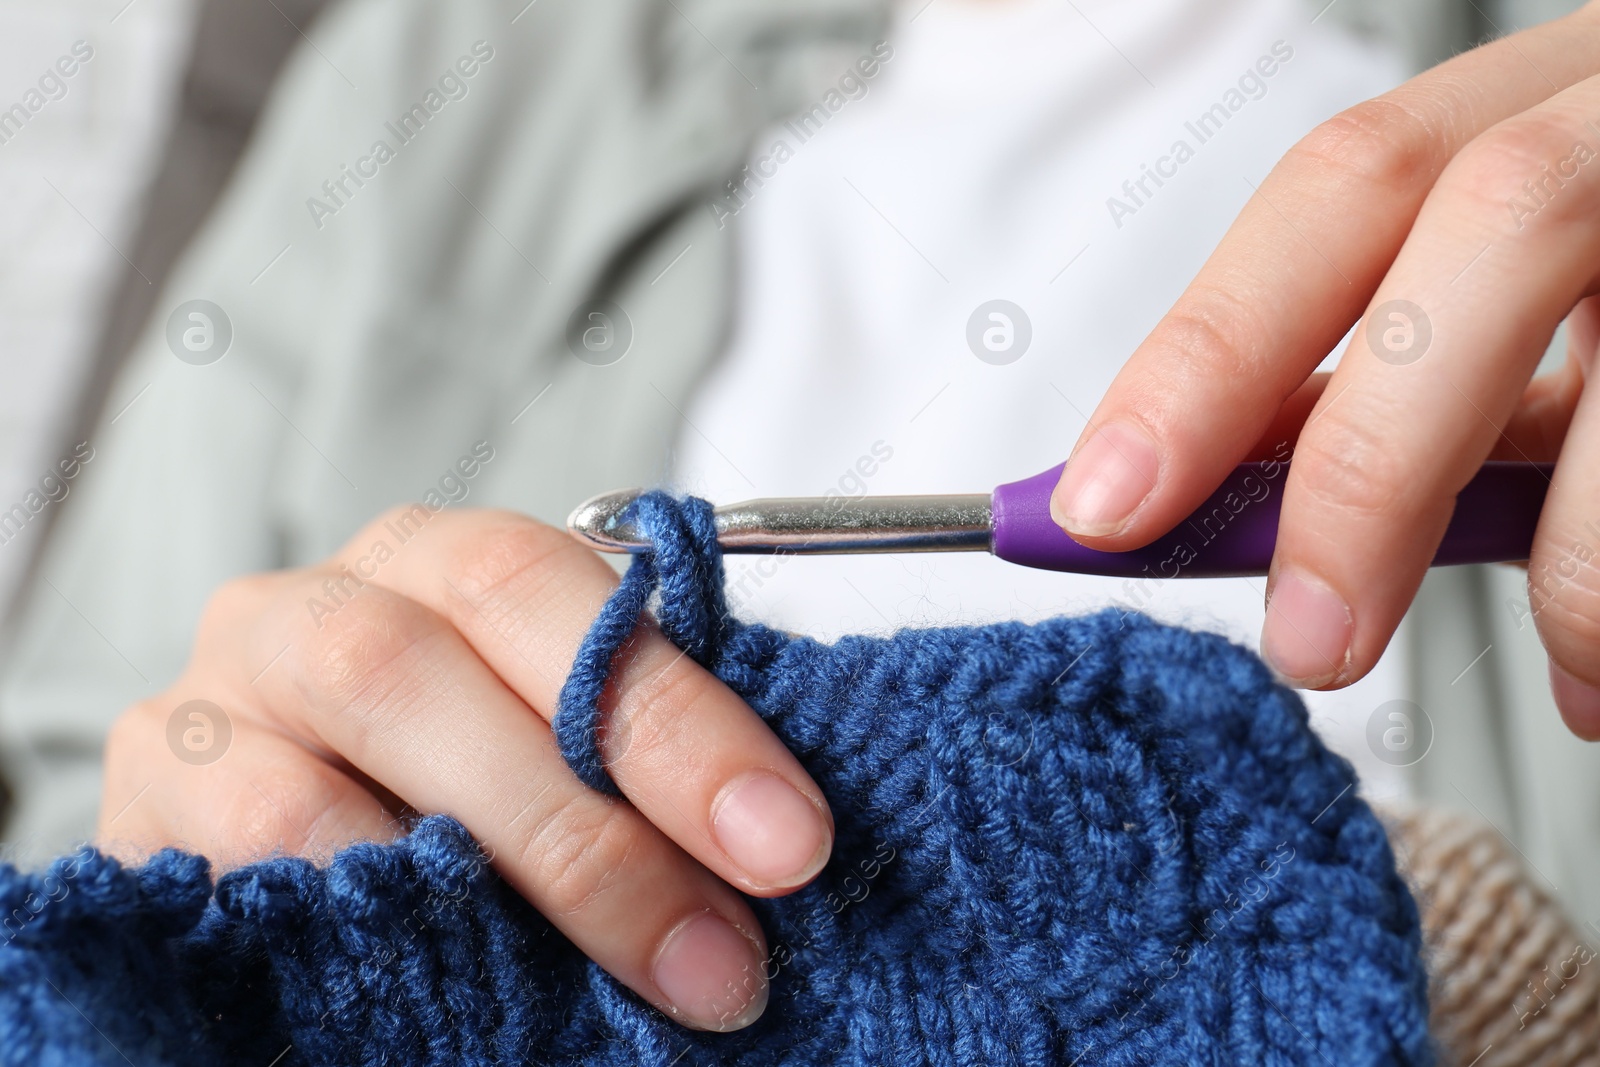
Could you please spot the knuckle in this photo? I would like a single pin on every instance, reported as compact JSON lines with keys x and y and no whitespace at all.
{"x":126,"y":762}
{"x":1211,"y":331}
{"x":1377,"y":143}
{"x":234,"y":602}
{"x":1347,"y":467}
{"x":397,"y":516}
{"x":128,"y":738}
{"x":406,"y":519}
{"x":361,"y":652}
{"x":577,"y":854}
{"x":1494,"y":168}
{"x":508,"y":557}
{"x":279,"y":809}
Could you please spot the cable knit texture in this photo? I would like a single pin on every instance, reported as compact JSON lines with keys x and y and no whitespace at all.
{"x":1095,"y":840}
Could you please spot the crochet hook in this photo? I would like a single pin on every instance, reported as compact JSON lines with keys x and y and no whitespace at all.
{"x":1231,"y":534}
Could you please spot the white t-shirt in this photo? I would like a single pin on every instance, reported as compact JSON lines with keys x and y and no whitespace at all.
{"x":1079,"y":161}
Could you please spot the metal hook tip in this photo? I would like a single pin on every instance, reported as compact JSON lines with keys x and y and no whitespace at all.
{"x":598,"y":522}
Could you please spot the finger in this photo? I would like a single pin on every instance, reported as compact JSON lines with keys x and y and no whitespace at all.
{"x":1564,"y":568}
{"x":1534,"y":432}
{"x":184,"y":772}
{"x":1422,"y":394}
{"x":395,"y":689}
{"x":679,"y":744}
{"x":1539,"y":424}
{"x":1284,"y":430}
{"x":1294,"y":271}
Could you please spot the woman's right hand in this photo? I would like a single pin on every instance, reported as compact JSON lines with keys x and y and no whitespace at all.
{"x":422,"y":675}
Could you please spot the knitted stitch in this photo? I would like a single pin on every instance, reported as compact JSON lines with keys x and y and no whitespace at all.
{"x":1096,"y":840}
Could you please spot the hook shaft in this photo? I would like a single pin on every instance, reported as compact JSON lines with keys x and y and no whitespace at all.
{"x":952,"y":523}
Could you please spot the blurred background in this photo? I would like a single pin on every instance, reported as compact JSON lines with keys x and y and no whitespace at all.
{"x":87,"y":232}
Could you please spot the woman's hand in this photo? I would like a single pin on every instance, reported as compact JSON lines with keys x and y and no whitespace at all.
{"x":1460,"y":215}
{"x":424,"y":676}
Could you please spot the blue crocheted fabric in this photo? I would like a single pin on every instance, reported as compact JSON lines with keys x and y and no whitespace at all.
{"x":1092,"y":841}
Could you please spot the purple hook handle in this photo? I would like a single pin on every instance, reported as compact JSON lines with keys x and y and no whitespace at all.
{"x":1234,"y":531}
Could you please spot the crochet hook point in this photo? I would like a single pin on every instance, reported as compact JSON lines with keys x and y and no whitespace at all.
{"x":598,"y":521}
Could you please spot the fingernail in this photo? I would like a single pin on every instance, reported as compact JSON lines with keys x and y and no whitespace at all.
{"x":1307,"y":634}
{"x":771,"y":830}
{"x":1578,"y":702}
{"x":712,"y":975}
{"x":1105,"y":482}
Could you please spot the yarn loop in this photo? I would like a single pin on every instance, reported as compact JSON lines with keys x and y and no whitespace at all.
{"x":685,"y":565}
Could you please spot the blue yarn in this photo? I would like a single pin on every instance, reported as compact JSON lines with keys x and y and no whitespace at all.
{"x":1096,"y":840}
{"x":687,"y":566}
